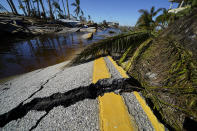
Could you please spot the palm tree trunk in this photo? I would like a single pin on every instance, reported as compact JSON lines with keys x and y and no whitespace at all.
{"x":50,"y":9}
{"x":28,"y":7}
{"x":43,"y":8}
{"x":24,"y":11}
{"x":64,"y":7}
{"x":31,"y":7}
{"x":12,"y":6}
{"x":38,"y":8}
{"x":68,"y":9}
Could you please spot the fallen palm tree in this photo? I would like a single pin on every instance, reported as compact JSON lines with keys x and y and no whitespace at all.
{"x":116,"y":44}
{"x":164,"y":65}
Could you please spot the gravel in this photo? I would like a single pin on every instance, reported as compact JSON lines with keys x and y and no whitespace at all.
{"x":114,"y":73}
{"x":134,"y":108}
{"x":25,"y":123}
{"x":82,"y":116}
{"x":136,"y":111}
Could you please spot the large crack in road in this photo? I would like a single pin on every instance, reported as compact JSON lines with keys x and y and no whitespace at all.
{"x":66,"y":99}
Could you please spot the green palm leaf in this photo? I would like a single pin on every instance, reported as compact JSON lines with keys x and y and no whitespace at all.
{"x":146,"y":20}
{"x":74,"y":4}
{"x":78,"y":9}
{"x":116,"y":44}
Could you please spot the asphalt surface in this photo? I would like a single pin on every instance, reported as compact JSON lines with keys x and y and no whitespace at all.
{"x":17,"y":90}
{"x":82,"y":115}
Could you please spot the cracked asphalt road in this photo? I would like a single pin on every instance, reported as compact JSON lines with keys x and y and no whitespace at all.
{"x":79,"y":116}
{"x":32,"y":91}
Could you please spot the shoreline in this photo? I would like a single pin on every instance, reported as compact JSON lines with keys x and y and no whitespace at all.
{"x":9,"y":78}
{"x":15,"y":28}
{"x":5,"y":79}
{"x":21,"y":28}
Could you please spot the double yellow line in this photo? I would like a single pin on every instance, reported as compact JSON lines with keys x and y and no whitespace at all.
{"x":113,"y":111}
{"x":155,"y":123}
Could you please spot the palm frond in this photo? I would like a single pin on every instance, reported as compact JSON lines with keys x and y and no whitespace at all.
{"x":152,"y":10}
{"x":115,"y":44}
{"x":146,"y":20}
{"x":138,"y":51}
{"x":74,"y":4}
{"x":157,"y":11}
{"x":125,"y":55}
{"x":78,"y":2}
{"x":82,"y":13}
{"x":142,"y":11}
{"x":57,"y":6}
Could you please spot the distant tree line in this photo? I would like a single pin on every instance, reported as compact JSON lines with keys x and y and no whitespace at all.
{"x":32,"y":8}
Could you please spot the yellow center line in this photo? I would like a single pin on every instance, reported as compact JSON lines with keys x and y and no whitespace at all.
{"x":100,"y":70}
{"x":113,"y":112}
{"x":156,"y":124}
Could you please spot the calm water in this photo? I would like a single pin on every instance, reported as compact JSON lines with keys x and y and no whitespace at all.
{"x":43,"y":51}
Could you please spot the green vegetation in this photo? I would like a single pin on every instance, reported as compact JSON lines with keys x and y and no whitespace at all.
{"x":194,"y":3}
{"x":176,"y":93}
{"x":146,"y":20}
{"x":112,"y":44}
{"x":164,"y":19}
{"x":137,"y":52}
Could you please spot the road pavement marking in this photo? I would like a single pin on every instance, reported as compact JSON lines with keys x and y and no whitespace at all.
{"x":113,"y":112}
{"x":156,"y":124}
{"x":100,"y":70}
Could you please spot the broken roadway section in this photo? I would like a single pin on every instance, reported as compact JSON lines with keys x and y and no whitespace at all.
{"x":82,"y":97}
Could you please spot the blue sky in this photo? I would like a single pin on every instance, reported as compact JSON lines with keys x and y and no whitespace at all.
{"x":123,"y":11}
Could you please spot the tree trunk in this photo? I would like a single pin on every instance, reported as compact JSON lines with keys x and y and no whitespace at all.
{"x":50,"y":9}
{"x":28,"y":7}
{"x":38,"y":8}
{"x":68,"y":9}
{"x":64,"y":7}
{"x":43,"y":8}
{"x":12,"y":6}
{"x":31,"y":7}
